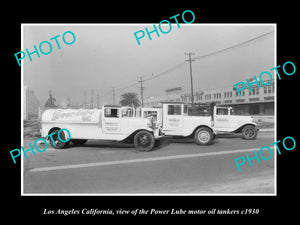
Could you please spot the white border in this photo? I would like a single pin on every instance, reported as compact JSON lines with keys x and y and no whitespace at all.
{"x":150,"y":194}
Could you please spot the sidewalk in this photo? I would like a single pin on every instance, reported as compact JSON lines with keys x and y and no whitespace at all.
{"x":265,"y":123}
{"x":266,"y":129}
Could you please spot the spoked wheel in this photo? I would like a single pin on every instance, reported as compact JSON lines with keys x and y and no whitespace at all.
{"x":58,"y":143}
{"x":204,"y":136}
{"x":249,"y":132}
{"x":144,"y":141}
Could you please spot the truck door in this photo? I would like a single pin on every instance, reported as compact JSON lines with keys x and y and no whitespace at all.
{"x":127,"y":115}
{"x":173,"y":118}
{"x":111,"y":120}
{"x":221,"y":118}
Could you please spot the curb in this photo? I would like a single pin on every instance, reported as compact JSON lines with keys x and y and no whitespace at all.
{"x":269,"y":129}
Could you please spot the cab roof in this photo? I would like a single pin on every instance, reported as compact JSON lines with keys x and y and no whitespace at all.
{"x":115,"y":106}
{"x":182,"y":103}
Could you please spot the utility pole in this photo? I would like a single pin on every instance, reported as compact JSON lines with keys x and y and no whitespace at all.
{"x":92,"y":99}
{"x":113,"y":90}
{"x":142,"y":90}
{"x":97,"y":100}
{"x":84,"y":99}
{"x":69,"y":102}
{"x":190,"y":60}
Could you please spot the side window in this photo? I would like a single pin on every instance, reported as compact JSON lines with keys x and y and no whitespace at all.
{"x":221,"y":111}
{"x":174,"y":109}
{"x":111,"y":112}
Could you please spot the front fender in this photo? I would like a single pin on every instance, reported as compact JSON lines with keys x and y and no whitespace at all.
{"x":240,"y":128}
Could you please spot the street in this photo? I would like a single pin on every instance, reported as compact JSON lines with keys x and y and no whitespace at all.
{"x":178,"y":166}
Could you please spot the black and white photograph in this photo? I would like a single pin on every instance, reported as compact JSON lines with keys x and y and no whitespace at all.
{"x":129,"y":109}
{"x":144,"y":111}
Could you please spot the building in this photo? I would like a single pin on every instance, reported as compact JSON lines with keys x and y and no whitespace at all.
{"x":30,"y":104}
{"x":174,"y":94}
{"x":259,"y":101}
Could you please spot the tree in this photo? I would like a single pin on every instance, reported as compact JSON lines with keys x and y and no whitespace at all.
{"x":130,"y":99}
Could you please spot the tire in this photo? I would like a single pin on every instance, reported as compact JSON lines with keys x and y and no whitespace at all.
{"x":249,"y":132}
{"x":78,"y":142}
{"x":204,"y":136}
{"x":144,"y":141}
{"x":58,"y":143}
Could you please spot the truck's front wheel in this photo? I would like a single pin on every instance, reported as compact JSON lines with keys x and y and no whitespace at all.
{"x":58,"y":144}
{"x":204,"y":136}
{"x":144,"y":141}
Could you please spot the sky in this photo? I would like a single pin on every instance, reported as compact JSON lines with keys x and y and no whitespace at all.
{"x":104,"y":56}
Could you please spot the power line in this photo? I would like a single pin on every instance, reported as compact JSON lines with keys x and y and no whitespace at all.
{"x":165,"y":72}
{"x":234,"y":46}
{"x":196,"y":58}
{"x":211,"y":54}
{"x":126,"y":87}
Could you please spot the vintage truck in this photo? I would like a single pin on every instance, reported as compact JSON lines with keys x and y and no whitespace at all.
{"x":112,"y":123}
{"x":177,"y":121}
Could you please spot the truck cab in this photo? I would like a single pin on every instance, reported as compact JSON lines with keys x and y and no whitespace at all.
{"x":175,"y":121}
{"x":113,"y":123}
{"x":203,"y":123}
{"x":226,"y":122}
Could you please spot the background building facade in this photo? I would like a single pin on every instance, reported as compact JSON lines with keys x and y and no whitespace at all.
{"x":259,"y":101}
{"x":30,"y":104}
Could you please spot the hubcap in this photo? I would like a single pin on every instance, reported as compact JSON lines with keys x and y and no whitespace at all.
{"x":144,"y":140}
{"x":203,"y":136}
{"x":56,"y":139}
{"x":249,"y":132}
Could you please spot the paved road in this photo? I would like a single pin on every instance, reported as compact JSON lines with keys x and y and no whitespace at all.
{"x":176,"y":167}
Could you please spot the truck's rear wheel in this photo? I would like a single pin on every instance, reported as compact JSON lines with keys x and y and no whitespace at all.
{"x":204,"y":136}
{"x":144,"y":141}
{"x":58,"y":143}
{"x":249,"y":132}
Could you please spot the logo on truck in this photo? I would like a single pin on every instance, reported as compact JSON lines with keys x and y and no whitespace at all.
{"x":85,"y":115}
{"x":173,"y":122}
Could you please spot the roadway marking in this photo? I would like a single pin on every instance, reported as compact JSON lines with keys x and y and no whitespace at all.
{"x":160,"y":158}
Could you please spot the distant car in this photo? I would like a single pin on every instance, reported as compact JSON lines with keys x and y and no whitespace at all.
{"x":112,"y":123}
